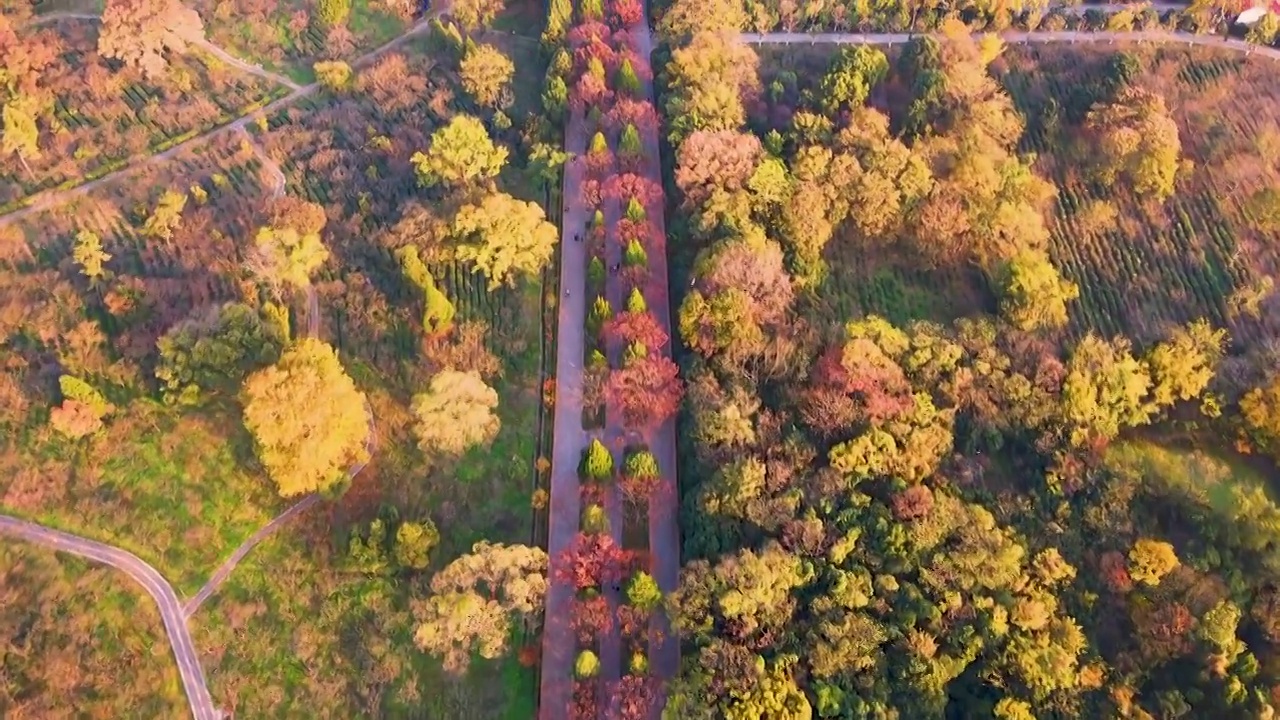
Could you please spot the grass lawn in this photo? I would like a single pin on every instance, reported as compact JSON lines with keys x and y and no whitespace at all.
{"x":180,"y":491}
{"x":80,"y":640}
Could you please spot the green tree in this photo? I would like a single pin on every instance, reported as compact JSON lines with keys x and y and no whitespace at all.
{"x":461,"y":153}
{"x":635,"y":256}
{"x":636,"y":303}
{"x":307,"y":419}
{"x":505,"y":237}
{"x":486,"y":75}
{"x":414,"y":542}
{"x":851,"y":75}
{"x":643,"y":592}
{"x":1033,"y":294}
{"x":1150,"y":560}
{"x":210,"y":353}
{"x":597,"y":462}
{"x":456,"y":413}
{"x":82,"y":410}
{"x":475,"y":14}
{"x":625,"y":80}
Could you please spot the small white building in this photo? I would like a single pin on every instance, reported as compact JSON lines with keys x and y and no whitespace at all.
{"x":1256,"y":13}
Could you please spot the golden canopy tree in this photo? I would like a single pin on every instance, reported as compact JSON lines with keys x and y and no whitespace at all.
{"x":1034,"y":295}
{"x":456,"y":413}
{"x":1105,"y":390}
{"x":476,"y":600}
{"x":1136,"y":138}
{"x":486,"y":75}
{"x":20,"y":135}
{"x":709,"y":79}
{"x":461,"y":152}
{"x":474,"y":14}
{"x":504,"y":237}
{"x":1183,"y":365}
{"x":307,"y":418}
{"x":289,"y":249}
{"x":139,"y":32}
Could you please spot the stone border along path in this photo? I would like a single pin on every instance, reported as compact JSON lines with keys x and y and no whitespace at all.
{"x":49,"y":198}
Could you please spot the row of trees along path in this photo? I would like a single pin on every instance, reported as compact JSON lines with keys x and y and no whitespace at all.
{"x":571,"y":439}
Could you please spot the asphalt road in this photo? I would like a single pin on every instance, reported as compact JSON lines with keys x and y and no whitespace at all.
{"x":175,"y":622}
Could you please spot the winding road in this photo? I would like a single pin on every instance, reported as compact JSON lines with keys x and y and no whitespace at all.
{"x":175,"y":622}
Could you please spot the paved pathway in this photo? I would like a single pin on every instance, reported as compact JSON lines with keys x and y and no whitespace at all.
{"x":175,"y":622}
{"x":559,"y":645}
{"x":50,"y":198}
{"x":1037,"y":36}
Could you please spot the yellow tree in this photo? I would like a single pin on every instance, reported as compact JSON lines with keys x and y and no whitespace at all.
{"x":167,"y":216}
{"x":474,"y":14}
{"x":461,"y":152}
{"x":287,"y":255}
{"x":1150,"y":560}
{"x":486,"y":75}
{"x":307,"y":418}
{"x":709,"y":79}
{"x":1034,"y":294}
{"x":1183,"y":365}
{"x":21,"y":135}
{"x":1137,"y":139}
{"x":456,"y":413}
{"x":504,"y":237}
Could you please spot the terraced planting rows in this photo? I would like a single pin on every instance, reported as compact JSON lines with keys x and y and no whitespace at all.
{"x":1150,"y":267}
{"x":99,"y":134}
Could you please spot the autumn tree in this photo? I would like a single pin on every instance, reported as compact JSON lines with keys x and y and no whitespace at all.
{"x":723,"y":160}
{"x":307,"y":418}
{"x":708,"y":80}
{"x":438,"y":313}
{"x":167,"y":215}
{"x":332,"y":13}
{"x":648,"y":390}
{"x":851,"y":75}
{"x":475,"y":14}
{"x":82,"y":410}
{"x":1033,"y":294}
{"x":1260,"y":409}
{"x":1150,"y":560}
{"x":140,"y":32}
{"x":456,"y":413}
{"x":210,"y":353}
{"x":461,"y":153}
{"x":504,"y":237}
{"x":334,"y":75}
{"x":414,"y":542}
{"x":1136,"y":138}
{"x":686,"y":18}
{"x":1105,"y":390}
{"x":1183,"y":365}
{"x":486,"y":75}
{"x":87,"y":252}
{"x":19,"y":133}
{"x":476,"y":601}
{"x":286,"y":256}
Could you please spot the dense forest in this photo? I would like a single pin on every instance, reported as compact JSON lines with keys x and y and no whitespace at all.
{"x":987,"y":517}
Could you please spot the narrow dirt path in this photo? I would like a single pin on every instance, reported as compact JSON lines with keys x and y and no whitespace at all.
{"x":175,"y":622}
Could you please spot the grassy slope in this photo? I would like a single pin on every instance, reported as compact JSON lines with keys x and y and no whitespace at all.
{"x":80,"y":640}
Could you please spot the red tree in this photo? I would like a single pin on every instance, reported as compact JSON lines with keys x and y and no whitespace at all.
{"x":648,"y":390}
{"x":586,"y":706}
{"x":590,"y":618}
{"x":1114,"y":569}
{"x":600,"y":163}
{"x":589,"y":91}
{"x":630,"y":327}
{"x":721,"y":159}
{"x":629,"y":185}
{"x":627,"y":230}
{"x":591,"y":194}
{"x":632,"y":112}
{"x":635,"y":697}
{"x":592,"y":560}
{"x":633,"y":624}
{"x":587,"y":32}
{"x":625,"y":13}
